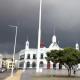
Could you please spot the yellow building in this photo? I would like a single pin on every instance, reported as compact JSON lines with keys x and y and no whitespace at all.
{"x":8,"y":63}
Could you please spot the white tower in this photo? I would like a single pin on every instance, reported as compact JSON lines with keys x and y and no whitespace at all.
{"x":27,"y":45}
{"x":39,"y":39}
{"x":54,"y":39}
{"x":26,"y":50}
{"x":77,"y":46}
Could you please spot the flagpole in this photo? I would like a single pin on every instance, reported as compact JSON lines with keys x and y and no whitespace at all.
{"x":39,"y":38}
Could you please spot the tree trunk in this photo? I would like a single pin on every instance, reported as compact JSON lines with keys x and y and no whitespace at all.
{"x":69,"y":72}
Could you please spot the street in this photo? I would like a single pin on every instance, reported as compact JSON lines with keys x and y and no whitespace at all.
{"x":28,"y":74}
{"x":4,"y":75}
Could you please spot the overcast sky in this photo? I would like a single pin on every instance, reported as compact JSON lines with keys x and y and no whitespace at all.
{"x":63,"y":14}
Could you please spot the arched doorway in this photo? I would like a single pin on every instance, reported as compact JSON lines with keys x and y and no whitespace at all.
{"x":48,"y":65}
{"x":60,"y":66}
{"x":41,"y":64}
{"x":54,"y":65}
{"x":34,"y":65}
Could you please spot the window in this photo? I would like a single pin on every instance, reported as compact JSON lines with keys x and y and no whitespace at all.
{"x":41,"y":56}
{"x":28,"y":56}
{"x":10,"y":66}
{"x":10,"y":63}
{"x":54,"y":65}
{"x":22,"y":57}
{"x":60,"y":66}
{"x":34,"y":56}
{"x":34,"y":65}
{"x":28,"y":64}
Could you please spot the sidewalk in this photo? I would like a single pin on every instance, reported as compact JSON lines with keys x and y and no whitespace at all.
{"x":16,"y":76}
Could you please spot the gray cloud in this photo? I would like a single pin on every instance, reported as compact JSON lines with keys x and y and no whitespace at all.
{"x":63,"y":14}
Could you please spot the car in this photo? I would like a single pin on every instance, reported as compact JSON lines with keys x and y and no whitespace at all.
{"x":2,"y":70}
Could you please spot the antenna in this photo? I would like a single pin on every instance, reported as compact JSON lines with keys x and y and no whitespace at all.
{"x":54,"y":30}
{"x":27,"y":37}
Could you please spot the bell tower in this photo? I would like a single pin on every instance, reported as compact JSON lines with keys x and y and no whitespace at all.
{"x":54,"y":39}
{"x":27,"y":45}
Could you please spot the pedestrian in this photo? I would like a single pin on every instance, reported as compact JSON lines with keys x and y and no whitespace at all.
{"x":74,"y":71}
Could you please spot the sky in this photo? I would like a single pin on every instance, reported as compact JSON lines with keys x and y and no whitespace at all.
{"x":64,"y":15}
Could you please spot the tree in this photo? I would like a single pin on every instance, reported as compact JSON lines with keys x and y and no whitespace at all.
{"x":68,"y":57}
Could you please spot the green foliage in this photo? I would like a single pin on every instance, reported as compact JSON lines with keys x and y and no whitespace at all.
{"x":71,"y":56}
{"x":55,"y":56}
{"x":68,"y":57}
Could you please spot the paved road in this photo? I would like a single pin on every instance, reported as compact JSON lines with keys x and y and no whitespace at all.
{"x":27,"y":75}
{"x":4,"y":75}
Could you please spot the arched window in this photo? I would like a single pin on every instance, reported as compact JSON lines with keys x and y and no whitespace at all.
{"x":41,"y":57}
{"x":34,"y":65}
{"x":60,"y":66}
{"x":41,"y":64}
{"x":54,"y":65}
{"x":34,"y":56}
{"x":28,"y":56}
{"x":28,"y":64}
{"x":22,"y":57}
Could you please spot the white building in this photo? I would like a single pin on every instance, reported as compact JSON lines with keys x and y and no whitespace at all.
{"x":28,"y":56}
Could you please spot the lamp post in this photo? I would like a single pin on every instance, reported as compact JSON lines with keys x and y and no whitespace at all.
{"x":14,"y":48}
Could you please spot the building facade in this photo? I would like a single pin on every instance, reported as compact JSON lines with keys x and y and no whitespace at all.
{"x":8,"y":63}
{"x":28,"y":56}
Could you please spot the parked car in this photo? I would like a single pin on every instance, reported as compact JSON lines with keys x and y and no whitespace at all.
{"x":2,"y":70}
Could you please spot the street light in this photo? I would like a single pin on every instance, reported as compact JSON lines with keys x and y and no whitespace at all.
{"x":14,"y":47}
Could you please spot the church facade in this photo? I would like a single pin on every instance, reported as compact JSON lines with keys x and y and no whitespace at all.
{"x":28,"y":56}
